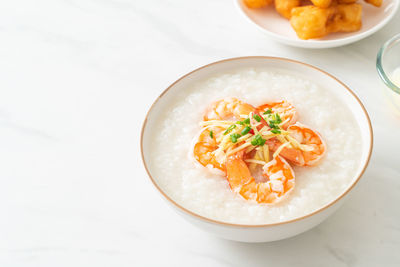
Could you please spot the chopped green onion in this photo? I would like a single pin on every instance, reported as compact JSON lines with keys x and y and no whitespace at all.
{"x":211,"y":134}
{"x":278,"y":118}
{"x":258,"y":140}
{"x":275,"y":131}
{"x":243,"y":122}
{"x":230,"y":128}
{"x":234,"y":137}
{"x":257,"y":118}
{"x":262,"y":142}
{"x":245,"y":130}
{"x":274,"y":126}
{"x":268,"y":111}
{"x":273,"y":123}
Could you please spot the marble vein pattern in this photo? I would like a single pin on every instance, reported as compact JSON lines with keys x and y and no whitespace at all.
{"x":76,"y":80}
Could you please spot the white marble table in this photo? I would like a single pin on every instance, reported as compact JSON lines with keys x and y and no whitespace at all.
{"x":76,"y":79}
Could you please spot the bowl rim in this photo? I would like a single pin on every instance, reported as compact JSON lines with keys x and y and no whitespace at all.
{"x":212,"y":221}
{"x":321,"y":44}
{"x":379,"y":67}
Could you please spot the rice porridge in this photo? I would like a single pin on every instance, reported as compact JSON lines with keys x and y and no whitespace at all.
{"x":206,"y":192}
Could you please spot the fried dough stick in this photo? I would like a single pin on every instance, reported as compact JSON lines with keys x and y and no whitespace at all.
{"x":257,"y":3}
{"x":322,"y":3}
{"x":376,"y":3}
{"x":284,"y":7}
{"x":314,"y":22}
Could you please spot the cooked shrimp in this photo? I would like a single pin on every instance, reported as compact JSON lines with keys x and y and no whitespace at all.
{"x":286,"y":110}
{"x":204,"y":147}
{"x":227,"y":108}
{"x":278,"y":172}
{"x":237,"y":138}
{"x":309,"y":147}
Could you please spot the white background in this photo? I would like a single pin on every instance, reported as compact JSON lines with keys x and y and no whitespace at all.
{"x":76,"y":80}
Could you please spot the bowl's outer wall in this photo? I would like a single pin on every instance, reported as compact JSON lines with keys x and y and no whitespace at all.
{"x":261,"y":234}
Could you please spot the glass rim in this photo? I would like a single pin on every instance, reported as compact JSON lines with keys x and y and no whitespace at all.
{"x":382,"y":74}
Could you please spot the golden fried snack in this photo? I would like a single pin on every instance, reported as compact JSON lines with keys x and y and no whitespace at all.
{"x":284,"y":7}
{"x":257,"y":3}
{"x":346,"y":1}
{"x":314,"y":22}
{"x":376,"y":3}
{"x":346,"y":18}
{"x":317,"y":18}
{"x":310,"y":21}
{"x":322,"y":3}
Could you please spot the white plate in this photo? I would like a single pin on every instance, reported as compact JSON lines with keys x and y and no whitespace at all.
{"x":279,"y":28}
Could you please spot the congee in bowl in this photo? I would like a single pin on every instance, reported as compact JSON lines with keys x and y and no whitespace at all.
{"x":254,"y":145}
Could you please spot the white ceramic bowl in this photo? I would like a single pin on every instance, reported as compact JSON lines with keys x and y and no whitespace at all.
{"x":279,"y":29}
{"x":266,"y":232}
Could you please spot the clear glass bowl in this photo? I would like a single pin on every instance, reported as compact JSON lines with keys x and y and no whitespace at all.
{"x":388,"y":66}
